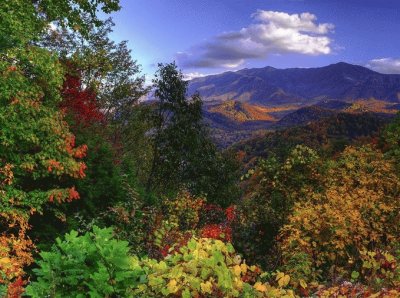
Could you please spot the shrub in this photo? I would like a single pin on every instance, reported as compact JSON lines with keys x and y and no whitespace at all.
{"x":358,"y":210}
{"x":207,"y":268}
{"x":94,"y":263}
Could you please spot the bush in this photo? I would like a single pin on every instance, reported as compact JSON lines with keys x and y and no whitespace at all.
{"x":273,"y":188}
{"x":94,"y":264}
{"x":358,"y":210}
{"x":208,"y":268}
{"x":97,"y":265}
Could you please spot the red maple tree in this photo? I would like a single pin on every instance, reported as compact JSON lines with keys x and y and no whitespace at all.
{"x":79,"y":101}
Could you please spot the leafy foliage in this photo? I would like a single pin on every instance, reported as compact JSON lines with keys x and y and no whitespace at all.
{"x":207,"y":268}
{"x":93,"y":263}
{"x":273,"y":188}
{"x":183,"y":153}
{"x":36,"y":154}
{"x":100,"y":266}
{"x":80,"y":103}
{"x":362,"y":183}
{"x":321,"y":217}
{"x":15,"y":254}
{"x":106,"y":68}
{"x":187,"y":216}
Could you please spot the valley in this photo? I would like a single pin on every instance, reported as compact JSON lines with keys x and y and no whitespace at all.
{"x":249,"y":102}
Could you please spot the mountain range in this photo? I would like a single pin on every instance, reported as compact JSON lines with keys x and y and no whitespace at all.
{"x":241,"y":103}
{"x":271,"y":86}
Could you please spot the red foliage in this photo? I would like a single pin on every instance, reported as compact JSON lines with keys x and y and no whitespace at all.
{"x":56,"y":195}
{"x":221,"y":232}
{"x":16,"y":288}
{"x":218,"y":222}
{"x":73,"y":194}
{"x":165,"y":250}
{"x":77,"y":152}
{"x":180,"y":241}
{"x":230,"y":213}
{"x":80,"y":152}
{"x":79,"y":101}
{"x":81,"y":170}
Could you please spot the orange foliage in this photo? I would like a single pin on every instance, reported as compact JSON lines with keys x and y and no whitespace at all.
{"x":53,"y":164}
{"x":73,"y":194}
{"x":15,"y":252}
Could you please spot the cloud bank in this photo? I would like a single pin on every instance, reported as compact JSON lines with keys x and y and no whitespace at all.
{"x":385,"y":65}
{"x":271,"y":32}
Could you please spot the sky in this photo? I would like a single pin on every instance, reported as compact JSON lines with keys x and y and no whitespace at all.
{"x":212,"y":36}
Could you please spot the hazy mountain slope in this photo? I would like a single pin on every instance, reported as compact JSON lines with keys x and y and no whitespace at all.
{"x":301,"y":86}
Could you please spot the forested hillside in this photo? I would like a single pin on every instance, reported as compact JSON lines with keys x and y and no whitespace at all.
{"x":104,"y":195}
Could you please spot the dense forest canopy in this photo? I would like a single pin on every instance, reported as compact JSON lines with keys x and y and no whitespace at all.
{"x":106,"y":195}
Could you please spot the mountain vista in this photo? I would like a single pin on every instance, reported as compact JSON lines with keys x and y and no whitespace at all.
{"x":240,"y":103}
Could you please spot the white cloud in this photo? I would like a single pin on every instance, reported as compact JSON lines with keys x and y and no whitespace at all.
{"x":192,"y":75}
{"x":385,"y":65}
{"x":271,"y":33}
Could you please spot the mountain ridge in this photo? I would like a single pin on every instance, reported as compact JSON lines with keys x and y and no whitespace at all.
{"x":301,"y":86}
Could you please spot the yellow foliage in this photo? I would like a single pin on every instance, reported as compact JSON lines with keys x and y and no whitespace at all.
{"x":358,"y":208}
{"x":206,"y":287}
{"x":15,"y":246}
{"x":15,"y":250}
{"x":283,"y":280}
{"x":172,"y":286}
{"x":237,"y":270}
{"x":208,"y":268}
{"x":260,"y":287}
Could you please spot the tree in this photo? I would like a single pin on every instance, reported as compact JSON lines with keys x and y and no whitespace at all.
{"x":183,"y":153}
{"x":80,"y":103}
{"x":272,"y":189}
{"x":105,"y":67}
{"x":37,"y":150}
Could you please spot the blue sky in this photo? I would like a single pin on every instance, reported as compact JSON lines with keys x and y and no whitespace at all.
{"x":212,"y":36}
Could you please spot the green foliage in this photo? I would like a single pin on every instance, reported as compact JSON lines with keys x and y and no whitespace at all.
{"x":137,"y":145}
{"x":380,"y":268}
{"x":40,"y":148}
{"x":317,"y":214}
{"x":102,"y":187}
{"x":37,"y":150}
{"x":93,"y":264}
{"x":273,"y":188}
{"x":23,"y":21}
{"x":107,"y":68}
{"x":130,"y":220}
{"x":103,"y":184}
{"x":103,"y":70}
{"x":183,"y":153}
{"x":327,"y":137}
{"x":97,"y":265}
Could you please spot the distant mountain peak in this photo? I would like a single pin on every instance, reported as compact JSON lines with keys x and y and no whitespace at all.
{"x":301,"y":86}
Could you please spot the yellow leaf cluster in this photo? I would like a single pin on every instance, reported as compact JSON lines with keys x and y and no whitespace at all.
{"x":358,"y":208}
